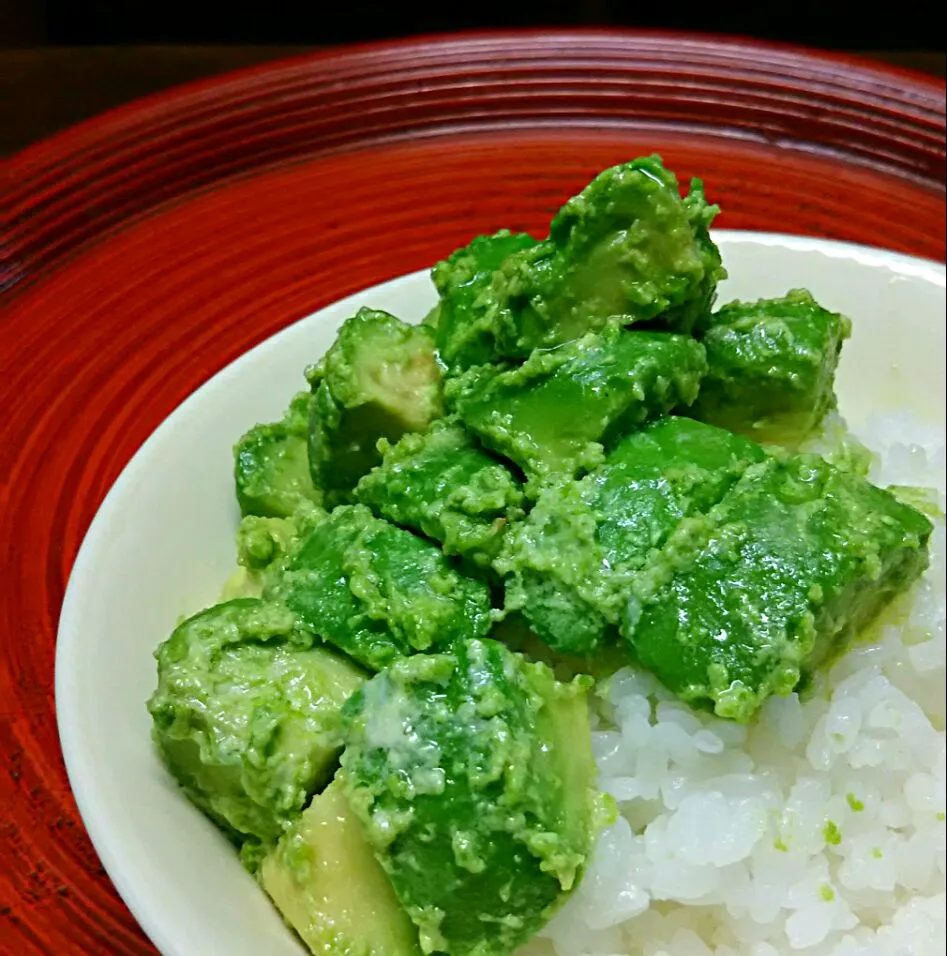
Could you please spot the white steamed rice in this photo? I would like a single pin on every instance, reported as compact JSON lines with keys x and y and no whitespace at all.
{"x":818,"y":829}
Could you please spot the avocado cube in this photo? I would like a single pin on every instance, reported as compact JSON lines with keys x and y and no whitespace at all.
{"x":380,"y":379}
{"x":378,"y":592}
{"x":569,"y":564}
{"x":264,"y":547}
{"x":771,"y":367}
{"x":466,"y":331}
{"x":746,"y":601}
{"x":271,"y":465}
{"x":473,"y":776}
{"x":327,"y":885}
{"x":628,"y":245}
{"x":246,"y":715}
{"x":553,"y":414}
{"x":443,"y":485}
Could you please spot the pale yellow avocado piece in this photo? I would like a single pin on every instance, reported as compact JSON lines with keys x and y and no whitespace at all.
{"x":327,"y":884}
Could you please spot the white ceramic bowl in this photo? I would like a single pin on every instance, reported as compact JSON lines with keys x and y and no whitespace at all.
{"x":162,"y":545}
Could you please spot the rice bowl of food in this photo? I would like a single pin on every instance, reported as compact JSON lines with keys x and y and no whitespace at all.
{"x":589,"y":599}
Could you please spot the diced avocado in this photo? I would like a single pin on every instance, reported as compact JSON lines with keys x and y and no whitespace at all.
{"x":263,"y":542}
{"x":771,"y":367}
{"x":442,"y":484}
{"x":378,"y":592}
{"x":246,"y":715}
{"x":473,"y":775}
{"x":326,"y":883}
{"x":554,"y":571}
{"x":380,"y":379}
{"x":264,"y":546}
{"x":465,"y":329}
{"x":775,"y":580}
{"x":671,"y":469}
{"x":627,"y":245}
{"x":515,"y":632}
{"x":552,"y":414}
{"x":271,"y":465}
{"x":569,"y":564}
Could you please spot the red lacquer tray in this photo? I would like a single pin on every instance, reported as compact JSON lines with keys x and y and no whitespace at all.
{"x":144,"y":250}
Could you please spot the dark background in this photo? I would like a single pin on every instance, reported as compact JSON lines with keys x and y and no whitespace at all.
{"x":841,"y":24}
{"x":64,"y":60}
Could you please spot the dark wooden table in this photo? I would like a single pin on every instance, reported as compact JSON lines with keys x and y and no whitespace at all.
{"x":46,"y":89}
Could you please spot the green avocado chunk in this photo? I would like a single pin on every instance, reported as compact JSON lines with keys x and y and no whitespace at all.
{"x":552,"y":414}
{"x":628,"y":245}
{"x":378,"y":592}
{"x":326,"y":883}
{"x":568,"y":566}
{"x":775,"y":580}
{"x":464,"y":330}
{"x":264,"y":547}
{"x":440,"y":483}
{"x":515,"y":632}
{"x":246,"y":715}
{"x":264,"y":542}
{"x":271,"y":465}
{"x":771,"y":367}
{"x":473,"y":776}
{"x":380,"y":379}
